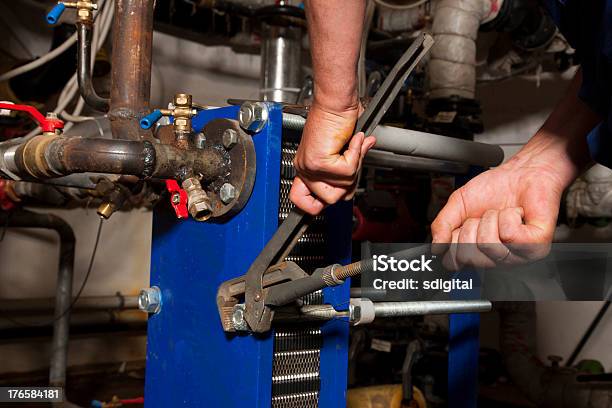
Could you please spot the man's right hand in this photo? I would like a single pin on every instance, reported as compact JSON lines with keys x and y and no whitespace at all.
{"x":327,"y":172}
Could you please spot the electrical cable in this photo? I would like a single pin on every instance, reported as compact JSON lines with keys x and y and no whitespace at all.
{"x":415,"y":4}
{"x":76,"y":297}
{"x":102,"y":26}
{"x":39,"y":61}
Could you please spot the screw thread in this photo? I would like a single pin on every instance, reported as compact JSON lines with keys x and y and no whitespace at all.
{"x":354,"y":269}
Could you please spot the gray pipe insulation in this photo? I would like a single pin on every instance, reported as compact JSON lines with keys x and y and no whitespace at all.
{"x":452,"y":67}
{"x":420,"y":144}
{"x":554,"y":387}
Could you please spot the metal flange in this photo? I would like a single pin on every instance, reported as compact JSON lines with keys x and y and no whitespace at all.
{"x":230,"y":193}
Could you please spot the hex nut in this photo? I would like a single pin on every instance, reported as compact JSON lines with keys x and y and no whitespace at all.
{"x":182,"y":99}
{"x":253,"y":116}
{"x":227,"y":193}
{"x":230,"y":138}
{"x":150,"y":300}
{"x":238,"y":320}
{"x":200,"y":210}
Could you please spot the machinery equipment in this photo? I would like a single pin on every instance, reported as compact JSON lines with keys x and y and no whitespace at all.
{"x":279,"y":335}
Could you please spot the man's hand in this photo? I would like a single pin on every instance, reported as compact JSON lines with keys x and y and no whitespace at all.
{"x":516,"y":203}
{"x":328,"y":159}
{"x":510,"y":212}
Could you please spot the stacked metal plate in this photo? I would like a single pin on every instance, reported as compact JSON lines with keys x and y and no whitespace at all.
{"x":296,"y":366}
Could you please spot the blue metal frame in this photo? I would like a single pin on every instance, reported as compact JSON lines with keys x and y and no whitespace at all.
{"x":464,"y":344}
{"x":191,"y":362}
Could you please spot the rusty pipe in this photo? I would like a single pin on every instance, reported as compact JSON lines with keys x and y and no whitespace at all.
{"x":63,"y":296}
{"x":88,"y":92}
{"x":131,"y":68}
{"x":45,"y":157}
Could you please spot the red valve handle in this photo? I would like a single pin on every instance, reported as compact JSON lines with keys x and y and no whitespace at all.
{"x":46,"y":124}
{"x":178,"y":199}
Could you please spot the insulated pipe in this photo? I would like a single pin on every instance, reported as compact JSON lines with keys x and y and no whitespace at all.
{"x":420,"y":144}
{"x":88,"y":92}
{"x":452,"y":68}
{"x":61,"y":321}
{"x":45,"y":157}
{"x":131,"y":68}
{"x":380,"y":159}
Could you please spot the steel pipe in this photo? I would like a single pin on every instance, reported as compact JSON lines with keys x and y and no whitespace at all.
{"x":281,"y":58}
{"x":29,"y":306}
{"x":364,"y":311}
{"x":61,"y":319}
{"x":88,"y":92}
{"x":400,"y":309}
{"x":131,"y":68}
{"x":90,"y":318}
{"x":44,"y":157}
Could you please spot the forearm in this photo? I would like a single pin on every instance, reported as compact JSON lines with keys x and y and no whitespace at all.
{"x":334,"y":28}
{"x":561,"y":142}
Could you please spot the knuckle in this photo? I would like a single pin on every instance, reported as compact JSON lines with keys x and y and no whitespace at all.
{"x":489,"y":213}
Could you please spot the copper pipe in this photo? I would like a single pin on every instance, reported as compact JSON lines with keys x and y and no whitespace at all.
{"x":131,"y":68}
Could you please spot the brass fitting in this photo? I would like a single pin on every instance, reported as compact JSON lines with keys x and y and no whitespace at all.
{"x":198,"y":202}
{"x":182,"y":108}
{"x":84,"y":9}
{"x":32,"y":155}
{"x":105,"y":210}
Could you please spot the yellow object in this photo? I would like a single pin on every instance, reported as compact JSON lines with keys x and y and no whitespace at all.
{"x":383,"y":396}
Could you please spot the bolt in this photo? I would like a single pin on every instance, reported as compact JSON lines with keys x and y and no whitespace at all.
{"x":176,"y":198}
{"x":230,"y":138}
{"x":238,"y":319}
{"x":227,"y":193}
{"x":258,"y":297}
{"x":149,"y":300}
{"x":253,"y":116}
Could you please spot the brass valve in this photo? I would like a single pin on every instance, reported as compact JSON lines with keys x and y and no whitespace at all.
{"x":182,"y":109}
{"x":84,"y":9}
